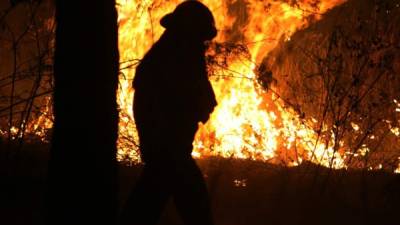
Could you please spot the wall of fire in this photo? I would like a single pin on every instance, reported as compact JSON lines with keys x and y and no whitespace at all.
{"x":293,"y":82}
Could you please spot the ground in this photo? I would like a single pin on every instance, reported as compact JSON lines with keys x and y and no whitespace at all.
{"x":243,"y":192}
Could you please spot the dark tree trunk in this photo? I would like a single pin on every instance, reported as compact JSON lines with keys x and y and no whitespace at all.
{"x":82,"y":170}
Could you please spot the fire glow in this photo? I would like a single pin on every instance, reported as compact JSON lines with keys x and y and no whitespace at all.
{"x":249,"y":122}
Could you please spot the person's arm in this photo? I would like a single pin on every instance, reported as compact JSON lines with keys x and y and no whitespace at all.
{"x":206,"y":100}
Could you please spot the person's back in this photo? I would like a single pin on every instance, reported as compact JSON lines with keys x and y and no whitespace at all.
{"x":172,"y":95}
{"x":172,"y":92}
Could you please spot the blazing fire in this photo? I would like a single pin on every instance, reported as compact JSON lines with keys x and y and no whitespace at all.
{"x":248,"y":122}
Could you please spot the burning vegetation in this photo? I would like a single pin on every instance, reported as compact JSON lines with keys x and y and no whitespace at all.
{"x":296,"y":81}
{"x":342,"y":72}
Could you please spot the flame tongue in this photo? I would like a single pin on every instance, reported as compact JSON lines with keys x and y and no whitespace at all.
{"x":248,"y":122}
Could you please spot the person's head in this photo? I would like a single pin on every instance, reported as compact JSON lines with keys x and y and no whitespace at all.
{"x":191,"y":20}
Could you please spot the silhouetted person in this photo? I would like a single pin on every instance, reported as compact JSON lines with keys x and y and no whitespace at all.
{"x":172,"y":95}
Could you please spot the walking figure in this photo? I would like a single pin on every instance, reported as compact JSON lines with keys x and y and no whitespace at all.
{"x":172,"y":95}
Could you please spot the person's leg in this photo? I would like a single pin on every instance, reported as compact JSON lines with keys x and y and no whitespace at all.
{"x":148,"y":199}
{"x":191,"y":195}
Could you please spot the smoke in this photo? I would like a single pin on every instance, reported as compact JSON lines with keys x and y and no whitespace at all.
{"x":239,"y":11}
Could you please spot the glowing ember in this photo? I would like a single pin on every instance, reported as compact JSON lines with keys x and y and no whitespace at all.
{"x":37,"y":127}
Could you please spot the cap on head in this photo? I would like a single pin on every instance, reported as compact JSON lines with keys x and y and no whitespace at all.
{"x":191,"y":18}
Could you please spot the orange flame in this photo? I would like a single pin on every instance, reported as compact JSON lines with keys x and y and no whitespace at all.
{"x":248,"y":122}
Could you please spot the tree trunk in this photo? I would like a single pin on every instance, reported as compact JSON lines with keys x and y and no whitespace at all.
{"x":82,"y":169}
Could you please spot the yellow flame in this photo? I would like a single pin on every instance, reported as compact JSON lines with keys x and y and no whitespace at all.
{"x":248,"y":122}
